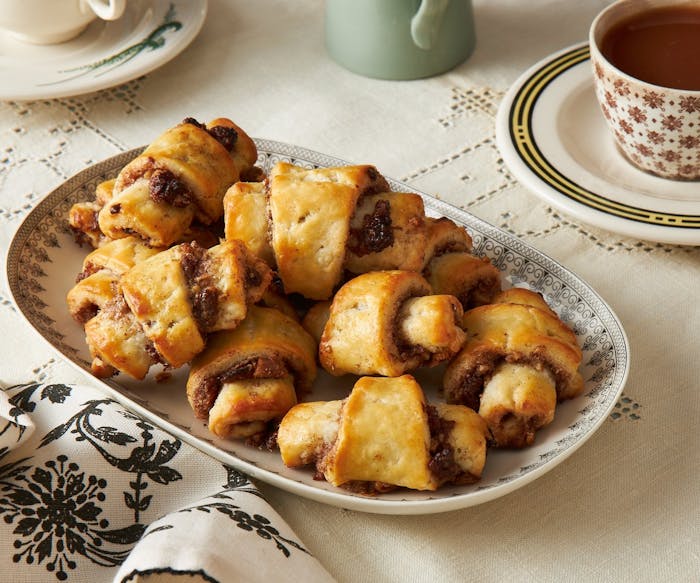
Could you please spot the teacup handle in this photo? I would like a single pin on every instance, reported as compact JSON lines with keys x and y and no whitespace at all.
{"x":425,"y":23}
{"x":107,"y":9}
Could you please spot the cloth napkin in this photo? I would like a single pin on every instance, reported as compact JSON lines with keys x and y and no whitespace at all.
{"x":92,"y":492}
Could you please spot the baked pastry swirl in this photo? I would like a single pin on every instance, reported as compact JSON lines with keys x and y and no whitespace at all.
{"x":253,"y":374}
{"x":98,"y":282}
{"x":518,"y":360}
{"x":388,"y":323}
{"x":167,"y":304}
{"x":308,"y":216}
{"x":319,"y":227}
{"x":385,"y":435}
{"x":180,"y":178}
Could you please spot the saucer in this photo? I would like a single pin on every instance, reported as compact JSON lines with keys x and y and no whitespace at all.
{"x":107,"y":53}
{"x":553,"y":138}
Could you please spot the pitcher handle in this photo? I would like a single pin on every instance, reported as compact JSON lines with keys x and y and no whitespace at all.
{"x":426,"y":22}
{"x":107,"y":9}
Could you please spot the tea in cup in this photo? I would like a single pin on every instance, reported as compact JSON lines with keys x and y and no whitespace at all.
{"x":54,"y":21}
{"x":645,"y":56}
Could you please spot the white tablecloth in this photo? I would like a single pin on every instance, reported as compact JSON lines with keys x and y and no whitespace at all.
{"x":626,"y":506}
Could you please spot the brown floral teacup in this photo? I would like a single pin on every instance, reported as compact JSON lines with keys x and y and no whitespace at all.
{"x":653,"y":115}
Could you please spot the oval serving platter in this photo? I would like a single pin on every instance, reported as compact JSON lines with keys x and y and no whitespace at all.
{"x":43,"y":260}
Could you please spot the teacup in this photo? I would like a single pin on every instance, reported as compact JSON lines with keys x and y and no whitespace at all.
{"x":656,"y":127}
{"x":399,"y":39}
{"x":54,"y":21}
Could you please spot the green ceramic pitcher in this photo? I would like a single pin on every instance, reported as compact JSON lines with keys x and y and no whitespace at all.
{"x":399,"y":39}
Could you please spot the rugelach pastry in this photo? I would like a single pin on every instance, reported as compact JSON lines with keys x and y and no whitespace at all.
{"x":168,"y":304}
{"x":385,"y":435}
{"x":320,"y":227}
{"x":451,"y":268}
{"x":518,"y":360}
{"x":178,"y":181}
{"x":388,"y":323}
{"x":253,"y":374}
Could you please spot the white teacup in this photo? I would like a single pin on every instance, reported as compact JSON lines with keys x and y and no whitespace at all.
{"x":54,"y":21}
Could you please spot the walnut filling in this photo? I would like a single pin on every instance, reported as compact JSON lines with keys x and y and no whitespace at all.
{"x":376,"y":233}
{"x":378,"y":183}
{"x":225,"y":135}
{"x":86,"y":312}
{"x":165,"y":187}
{"x":256,"y":367}
{"x":481,"y":293}
{"x":472,"y":383}
{"x":203,"y":293}
{"x":442,"y":461}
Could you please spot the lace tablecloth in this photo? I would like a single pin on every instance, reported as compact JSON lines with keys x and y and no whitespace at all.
{"x":626,"y":506}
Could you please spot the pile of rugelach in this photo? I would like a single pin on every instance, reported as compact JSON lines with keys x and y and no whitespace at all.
{"x":254,"y":280}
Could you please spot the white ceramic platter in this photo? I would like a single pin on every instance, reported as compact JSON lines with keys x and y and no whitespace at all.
{"x":149,"y":34}
{"x":553,"y":137}
{"x":43,"y":260}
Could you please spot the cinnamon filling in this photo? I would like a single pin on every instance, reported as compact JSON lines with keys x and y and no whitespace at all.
{"x":376,"y":232}
{"x":203,"y":292}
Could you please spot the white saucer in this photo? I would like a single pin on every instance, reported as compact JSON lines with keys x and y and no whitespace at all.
{"x":553,"y":138}
{"x":149,"y":34}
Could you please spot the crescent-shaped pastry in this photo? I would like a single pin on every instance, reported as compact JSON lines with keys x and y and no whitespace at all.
{"x":181,"y":294}
{"x":169,"y":303}
{"x":387,"y":323}
{"x":517,"y":361}
{"x":251,"y":375}
{"x":310,"y":212}
{"x":181,"y":176}
{"x":385,"y":435}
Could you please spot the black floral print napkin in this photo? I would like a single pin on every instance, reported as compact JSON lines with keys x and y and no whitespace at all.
{"x":92,"y":492}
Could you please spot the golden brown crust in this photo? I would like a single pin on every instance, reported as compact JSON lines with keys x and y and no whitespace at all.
{"x":433,"y":324}
{"x":307,"y":432}
{"x":82,"y":219}
{"x":244,"y":407}
{"x":117,"y":342}
{"x":181,"y":176}
{"x":473,"y":280}
{"x":385,"y":435}
{"x":157,"y":292}
{"x":514,"y":333}
{"x":316,"y":318}
{"x":266,"y":345}
{"x":180,"y":295}
{"x":365,"y":308}
{"x":523,"y":296}
{"x":104,"y":191}
{"x":310,"y":212}
{"x":369,"y":306}
{"x":132,"y":211}
{"x":517,"y":401}
{"x":98,"y":283}
{"x":246,"y":218}
{"x":445,"y":236}
{"x":467,"y":439}
{"x":118,"y":256}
